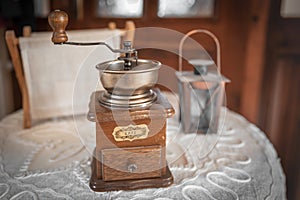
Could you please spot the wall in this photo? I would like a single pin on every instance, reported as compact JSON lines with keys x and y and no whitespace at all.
{"x":280,"y":110}
{"x":6,"y":77}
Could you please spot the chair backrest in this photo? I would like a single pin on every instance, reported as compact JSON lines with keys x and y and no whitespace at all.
{"x":46,"y":93}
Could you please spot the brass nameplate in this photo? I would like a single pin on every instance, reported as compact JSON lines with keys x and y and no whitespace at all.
{"x":131,"y":132}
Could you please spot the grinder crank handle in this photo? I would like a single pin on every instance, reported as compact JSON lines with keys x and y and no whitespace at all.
{"x":58,"y":20}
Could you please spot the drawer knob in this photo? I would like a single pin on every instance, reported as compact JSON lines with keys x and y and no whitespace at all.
{"x":131,"y":168}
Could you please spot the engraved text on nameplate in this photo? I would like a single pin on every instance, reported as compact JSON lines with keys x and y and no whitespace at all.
{"x":131,"y":132}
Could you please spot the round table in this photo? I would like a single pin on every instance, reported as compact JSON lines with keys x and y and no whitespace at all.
{"x":49,"y":161}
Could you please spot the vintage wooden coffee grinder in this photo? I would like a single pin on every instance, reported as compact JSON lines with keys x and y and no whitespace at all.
{"x":130,"y":118}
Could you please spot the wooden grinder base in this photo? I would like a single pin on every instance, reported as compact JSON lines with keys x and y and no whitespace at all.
{"x":99,"y":185}
{"x":147,"y":154}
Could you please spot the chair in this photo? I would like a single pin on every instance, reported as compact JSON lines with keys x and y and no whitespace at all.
{"x":18,"y":61}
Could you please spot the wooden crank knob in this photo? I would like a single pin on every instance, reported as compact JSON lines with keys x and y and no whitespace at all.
{"x":58,"y":20}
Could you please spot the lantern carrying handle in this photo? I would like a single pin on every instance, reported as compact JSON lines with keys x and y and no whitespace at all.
{"x":210,"y":34}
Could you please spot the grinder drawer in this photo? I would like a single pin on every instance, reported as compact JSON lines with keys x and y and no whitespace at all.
{"x":131,"y":163}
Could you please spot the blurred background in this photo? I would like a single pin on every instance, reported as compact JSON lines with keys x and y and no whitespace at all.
{"x":260,"y":45}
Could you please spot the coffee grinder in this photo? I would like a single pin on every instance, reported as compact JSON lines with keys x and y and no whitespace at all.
{"x":130,"y":118}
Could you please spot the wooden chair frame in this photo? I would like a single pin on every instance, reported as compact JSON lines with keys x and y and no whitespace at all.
{"x":13,"y":46}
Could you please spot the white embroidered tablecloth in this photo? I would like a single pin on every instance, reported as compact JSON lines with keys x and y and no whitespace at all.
{"x":49,"y":161}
